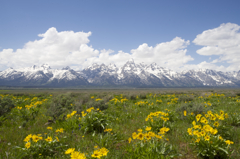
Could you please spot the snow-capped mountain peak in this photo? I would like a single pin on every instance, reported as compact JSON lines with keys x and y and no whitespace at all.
{"x":129,"y":74}
{"x":46,"y":66}
{"x":112,"y":66}
{"x":66,"y":68}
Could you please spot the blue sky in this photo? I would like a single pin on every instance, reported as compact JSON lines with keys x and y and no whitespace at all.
{"x":124,"y":25}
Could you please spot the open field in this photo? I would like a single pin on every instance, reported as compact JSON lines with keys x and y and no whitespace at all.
{"x":120,"y":123}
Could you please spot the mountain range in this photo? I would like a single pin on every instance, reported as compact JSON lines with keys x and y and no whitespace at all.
{"x":130,"y":74}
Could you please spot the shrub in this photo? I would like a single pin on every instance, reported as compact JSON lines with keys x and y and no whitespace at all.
{"x":59,"y":106}
{"x":93,"y":121}
{"x":72,"y":121}
{"x":159,"y":119}
{"x":101,"y":104}
{"x":148,"y":144}
{"x":132,"y":96}
{"x":74,"y":94}
{"x":84,"y":99}
{"x":108,"y":98}
{"x":143,"y":96}
{"x":107,"y":139}
{"x":22,"y":94}
{"x":184,"y":98}
{"x":208,"y":137}
{"x":42,"y":95}
{"x":5,"y":105}
{"x":234,"y":119}
{"x":238,"y":94}
{"x":196,"y":108}
{"x":78,"y":106}
{"x":42,"y":145}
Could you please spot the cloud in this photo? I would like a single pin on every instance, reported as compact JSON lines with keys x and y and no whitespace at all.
{"x":167,"y":54}
{"x":203,"y":65}
{"x":210,"y":50}
{"x":107,"y":57}
{"x":223,"y":41}
{"x":68,"y":48}
{"x":55,"y":48}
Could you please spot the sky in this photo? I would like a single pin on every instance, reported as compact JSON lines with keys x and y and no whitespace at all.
{"x":176,"y":34}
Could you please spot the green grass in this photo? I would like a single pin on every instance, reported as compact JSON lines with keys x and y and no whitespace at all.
{"x":125,"y":119}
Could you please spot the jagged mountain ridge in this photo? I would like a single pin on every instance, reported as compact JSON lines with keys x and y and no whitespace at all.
{"x":41,"y":76}
{"x":130,"y":74}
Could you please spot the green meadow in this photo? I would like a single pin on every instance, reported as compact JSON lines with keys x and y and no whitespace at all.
{"x":120,"y":124}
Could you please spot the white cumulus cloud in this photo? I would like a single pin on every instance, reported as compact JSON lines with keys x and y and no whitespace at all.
{"x":68,"y":48}
{"x":55,"y":48}
{"x":223,"y":41}
{"x":167,"y":54}
{"x":170,"y":54}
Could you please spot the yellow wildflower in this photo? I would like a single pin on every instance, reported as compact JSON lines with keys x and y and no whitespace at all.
{"x":150,"y":133}
{"x":221,"y":112}
{"x":214,"y":131}
{"x":216,"y":124}
{"x":77,"y":155}
{"x":129,"y":140}
{"x":197,"y":140}
{"x":69,"y":116}
{"x":158,"y":136}
{"x":27,"y":145}
{"x":198,"y":117}
{"x":207,"y":138}
{"x":48,"y":139}
{"x":134,"y":135}
{"x":229,"y":142}
{"x":147,"y":136}
{"x":35,"y":138}
{"x":96,"y":154}
{"x":185,"y":113}
{"x":189,"y":131}
{"x":226,"y":115}
{"x":140,"y":136}
{"x":73,"y":113}
{"x":103,"y":151}
{"x":98,"y":99}
{"x":148,"y":128}
{"x":70,"y":150}
{"x":220,"y":137}
{"x":60,"y":130}
{"x":28,"y":138}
